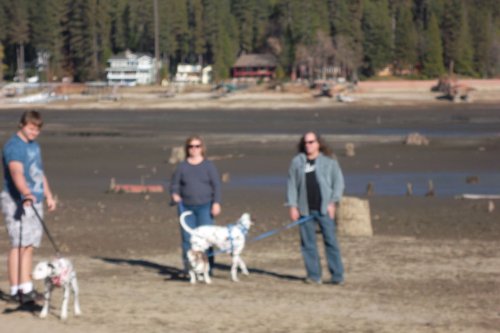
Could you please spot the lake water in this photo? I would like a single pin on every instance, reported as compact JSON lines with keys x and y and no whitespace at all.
{"x":446,"y":183}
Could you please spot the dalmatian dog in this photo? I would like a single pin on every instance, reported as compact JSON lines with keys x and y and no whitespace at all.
{"x":58,"y":273}
{"x":230,"y":239}
{"x":198,"y":267}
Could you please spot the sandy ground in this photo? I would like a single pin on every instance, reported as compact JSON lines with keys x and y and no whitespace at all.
{"x":367,"y":93}
{"x":433,"y":264}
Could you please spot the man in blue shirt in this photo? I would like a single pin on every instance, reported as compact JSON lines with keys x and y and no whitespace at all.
{"x":25,"y":188}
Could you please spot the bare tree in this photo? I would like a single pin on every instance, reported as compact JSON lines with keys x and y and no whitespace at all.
{"x":274,"y":46}
{"x":323,"y":53}
{"x":346,"y":56}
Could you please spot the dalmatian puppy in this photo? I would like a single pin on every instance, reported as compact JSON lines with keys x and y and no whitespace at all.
{"x":230,"y":239}
{"x":58,"y":273}
{"x":198,"y":267}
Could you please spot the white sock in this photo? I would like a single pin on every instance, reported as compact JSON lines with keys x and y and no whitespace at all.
{"x":26,"y":287}
{"x":14,"y":290}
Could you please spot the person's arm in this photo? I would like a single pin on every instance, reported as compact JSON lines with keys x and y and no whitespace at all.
{"x":175,"y":184}
{"x":51,"y":203}
{"x":16,"y":170}
{"x":337,"y":190}
{"x":291,"y":194}
{"x":216,"y":187}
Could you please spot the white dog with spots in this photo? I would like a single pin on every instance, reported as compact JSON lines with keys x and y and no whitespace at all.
{"x":230,"y":239}
{"x":58,"y":273}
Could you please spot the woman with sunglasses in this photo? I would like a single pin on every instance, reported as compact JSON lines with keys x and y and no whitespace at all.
{"x":196,"y":184}
{"x":315,"y":186}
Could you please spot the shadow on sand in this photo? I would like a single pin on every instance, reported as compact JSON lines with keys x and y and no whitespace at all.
{"x":31,"y":307}
{"x":172,"y":273}
{"x":177,"y":274}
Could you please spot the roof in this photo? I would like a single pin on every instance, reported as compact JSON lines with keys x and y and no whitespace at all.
{"x":129,"y":55}
{"x":256,"y":60}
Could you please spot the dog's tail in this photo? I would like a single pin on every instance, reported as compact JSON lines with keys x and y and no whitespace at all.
{"x":182,"y":220}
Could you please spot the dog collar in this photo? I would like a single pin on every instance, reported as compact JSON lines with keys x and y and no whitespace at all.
{"x":243,"y":229}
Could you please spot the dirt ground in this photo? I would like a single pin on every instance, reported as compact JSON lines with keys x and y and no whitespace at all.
{"x":433,"y":264}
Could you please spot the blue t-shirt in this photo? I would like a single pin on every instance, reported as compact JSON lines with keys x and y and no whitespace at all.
{"x":29,"y":154}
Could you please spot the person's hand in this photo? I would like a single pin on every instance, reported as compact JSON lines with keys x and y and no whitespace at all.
{"x":216,"y":209}
{"x":29,"y":199}
{"x":176,"y":198}
{"x":294,"y":213}
{"x":51,"y":203}
{"x":331,"y":210}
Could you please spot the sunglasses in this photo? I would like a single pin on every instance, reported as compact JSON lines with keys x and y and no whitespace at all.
{"x":194,"y":146}
{"x":310,"y":142}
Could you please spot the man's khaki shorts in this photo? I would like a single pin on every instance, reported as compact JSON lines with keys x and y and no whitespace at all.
{"x":22,"y":224}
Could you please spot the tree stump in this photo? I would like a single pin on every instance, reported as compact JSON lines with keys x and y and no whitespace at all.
{"x":177,"y":155}
{"x":353,"y":217}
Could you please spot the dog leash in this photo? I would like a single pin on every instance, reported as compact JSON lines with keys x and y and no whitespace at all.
{"x":261,"y":236}
{"x":47,"y":232}
{"x":278,"y":230}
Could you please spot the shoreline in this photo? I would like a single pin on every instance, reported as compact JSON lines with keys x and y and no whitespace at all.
{"x":367,"y":94}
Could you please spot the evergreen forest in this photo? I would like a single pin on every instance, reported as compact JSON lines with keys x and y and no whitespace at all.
{"x":415,"y":38}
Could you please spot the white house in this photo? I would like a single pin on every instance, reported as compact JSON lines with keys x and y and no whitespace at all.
{"x":193,"y":74}
{"x":131,"y":69}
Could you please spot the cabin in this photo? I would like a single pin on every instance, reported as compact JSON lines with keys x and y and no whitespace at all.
{"x":258,"y":66}
{"x":131,"y":69}
{"x":193,"y":74}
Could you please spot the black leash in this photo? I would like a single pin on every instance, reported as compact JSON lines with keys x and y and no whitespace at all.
{"x":47,"y":232}
{"x":20,"y":262}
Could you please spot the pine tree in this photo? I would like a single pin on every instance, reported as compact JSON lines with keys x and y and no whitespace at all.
{"x":433,"y":56}
{"x":138,"y":25}
{"x":221,"y":36}
{"x":180,"y":28}
{"x":18,"y":32}
{"x":46,"y":34}
{"x":451,"y":31}
{"x":197,"y":40}
{"x":482,"y":29}
{"x":405,"y":39}
{"x":79,"y":44}
{"x":243,"y":12}
{"x":464,"y":62}
{"x":345,"y":21}
{"x":117,"y":26}
{"x":226,"y":45}
{"x":377,"y":36}
{"x":3,"y":35}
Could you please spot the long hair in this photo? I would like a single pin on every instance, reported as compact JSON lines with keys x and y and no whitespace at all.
{"x":202,"y":143}
{"x":323,"y":147}
{"x":31,"y":117}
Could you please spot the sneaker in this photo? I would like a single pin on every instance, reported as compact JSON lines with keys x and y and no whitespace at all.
{"x":312,"y":281}
{"x":11,"y":298}
{"x":30,"y":297}
{"x":337,"y":283}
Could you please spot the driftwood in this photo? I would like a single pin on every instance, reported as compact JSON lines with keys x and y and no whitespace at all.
{"x":370,"y":189}
{"x":132,"y":188}
{"x":454,"y":90}
{"x":409,"y":189}
{"x":350,"y":149}
{"x":416,"y":139}
{"x":472,"y":179}
{"x":431,"y":191}
{"x":491,"y":206}
{"x":177,"y":155}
